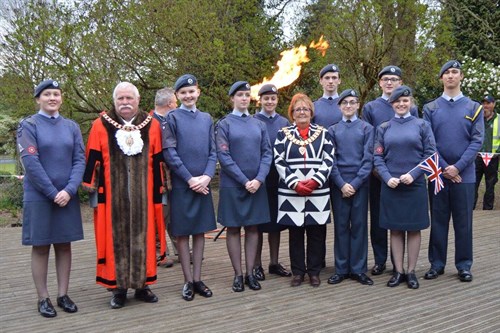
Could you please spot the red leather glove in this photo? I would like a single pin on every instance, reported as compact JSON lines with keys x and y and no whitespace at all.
{"x":311,"y":184}
{"x":301,"y":189}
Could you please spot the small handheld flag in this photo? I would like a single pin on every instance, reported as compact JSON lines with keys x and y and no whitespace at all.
{"x":431,"y":167}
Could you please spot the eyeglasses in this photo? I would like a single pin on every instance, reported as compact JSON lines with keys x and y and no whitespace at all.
{"x":305,"y":110}
{"x":390,"y":79}
{"x":351,"y":103}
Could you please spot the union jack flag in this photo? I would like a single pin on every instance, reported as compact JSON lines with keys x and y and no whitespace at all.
{"x":486,"y":158}
{"x":431,"y":167}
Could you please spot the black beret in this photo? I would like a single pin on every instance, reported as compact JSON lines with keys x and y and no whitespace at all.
{"x":186,"y":80}
{"x":347,"y":93}
{"x":489,"y":99}
{"x":448,"y":65}
{"x":237,"y":86}
{"x":329,"y":68}
{"x":268,"y":89}
{"x":390,"y":70}
{"x":398,"y":92}
{"x":47,"y":84}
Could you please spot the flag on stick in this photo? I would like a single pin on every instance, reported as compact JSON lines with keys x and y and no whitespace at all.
{"x":431,"y":167}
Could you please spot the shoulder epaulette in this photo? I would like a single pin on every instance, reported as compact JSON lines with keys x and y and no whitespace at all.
{"x":385,"y":124}
{"x":431,"y":104}
{"x":472,"y":104}
{"x":29,"y":119}
{"x":217,"y":123}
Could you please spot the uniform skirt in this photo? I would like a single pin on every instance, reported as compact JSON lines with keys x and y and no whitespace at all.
{"x":45,"y":223}
{"x":191,"y":213}
{"x":404,"y":208}
{"x":240,"y":208}
{"x":272,"y":199}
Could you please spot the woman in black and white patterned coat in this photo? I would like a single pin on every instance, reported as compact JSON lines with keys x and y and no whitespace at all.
{"x":303,"y":155}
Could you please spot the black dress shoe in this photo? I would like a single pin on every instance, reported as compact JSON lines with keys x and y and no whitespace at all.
{"x":238,"y":285}
{"x":202,"y":289}
{"x":396,"y":279}
{"x":66,"y":304}
{"x":465,"y":275}
{"x":362,"y":278}
{"x":433,"y":273}
{"x":146,"y":295}
{"x":412,"y":281}
{"x":337,"y":278}
{"x":252,"y":282}
{"x":314,"y":281}
{"x":259,"y":273}
{"x":278,"y":269}
{"x":118,"y":299}
{"x":378,"y":269}
{"x":188,"y":291}
{"x":46,"y":308}
{"x":297,"y":280}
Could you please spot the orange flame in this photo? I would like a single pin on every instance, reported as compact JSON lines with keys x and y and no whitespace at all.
{"x":289,"y":66}
{"x":321,"y":45}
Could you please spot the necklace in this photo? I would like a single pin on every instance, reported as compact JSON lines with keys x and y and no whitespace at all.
{"x":127,"y":128}
{"x":128,"y":137}
{"x":302,"y":143}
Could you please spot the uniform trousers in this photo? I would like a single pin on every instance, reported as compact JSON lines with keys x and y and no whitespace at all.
{"x":455,"y":201}
{"x":315,"y":249}
{"x":351,"y":231}
{"x":378,"y":235}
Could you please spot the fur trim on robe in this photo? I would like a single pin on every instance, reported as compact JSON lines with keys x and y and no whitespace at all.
{"x":129,"y":198}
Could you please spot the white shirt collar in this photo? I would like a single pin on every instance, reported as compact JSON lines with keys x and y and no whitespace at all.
{"x":267,"y":115}
{"x":336,"y":95}
{"x":353,"y":118}
{"x":239,"y":113}
{"x":455,"y":98}
{"x":45,"y":114}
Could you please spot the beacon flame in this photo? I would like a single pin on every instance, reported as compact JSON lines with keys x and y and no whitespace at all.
{"x":289,"y":66}
{"x":321,"y":45}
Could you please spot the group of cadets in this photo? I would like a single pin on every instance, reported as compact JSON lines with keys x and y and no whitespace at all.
{"x":354,"y":180}
{"x":374,"y":162}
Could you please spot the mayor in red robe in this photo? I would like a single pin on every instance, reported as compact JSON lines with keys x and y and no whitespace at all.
{"x":123,"y":173}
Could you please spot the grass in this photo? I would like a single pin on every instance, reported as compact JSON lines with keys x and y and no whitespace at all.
{"x":8,"y":168}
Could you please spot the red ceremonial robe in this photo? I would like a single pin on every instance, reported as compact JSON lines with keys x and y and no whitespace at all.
{"x":129,"y":205}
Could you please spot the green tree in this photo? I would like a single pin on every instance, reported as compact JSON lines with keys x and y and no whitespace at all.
{"x":90,"y":46}
{"x":476,"y":27}
{"x":366,"y":35}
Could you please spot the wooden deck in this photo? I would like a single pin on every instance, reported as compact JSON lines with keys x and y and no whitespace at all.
{"x":442,"y":305}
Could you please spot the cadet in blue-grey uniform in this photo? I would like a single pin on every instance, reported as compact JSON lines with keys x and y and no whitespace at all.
{"x":244,"y":153}
{"x":53,"y":156}
{"x":457,"y":123}
{"x":268,"y":95}
{"x":352,"y":140}
{"x":191,"y":159}
{"x":326,"y":108}
{"x":375,"y":113}
{"x":401,"y":144}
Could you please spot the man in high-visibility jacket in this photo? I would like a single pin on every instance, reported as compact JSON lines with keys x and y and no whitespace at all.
{"x":491,"y":144}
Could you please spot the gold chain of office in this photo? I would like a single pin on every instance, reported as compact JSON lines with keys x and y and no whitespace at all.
{"x":303,"y":143}
{"x":128,"y":128}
